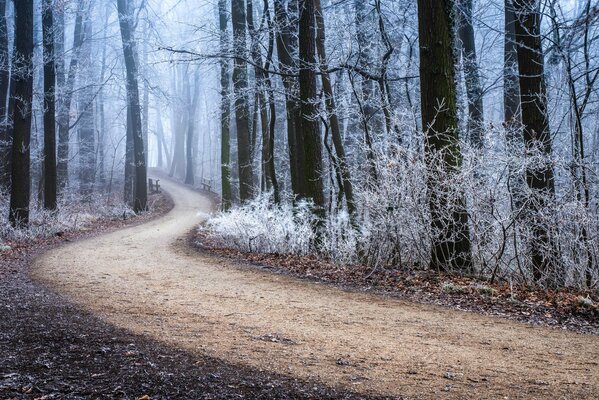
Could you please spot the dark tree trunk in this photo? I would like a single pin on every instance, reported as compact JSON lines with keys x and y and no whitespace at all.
{"x":536,"y":135}
{"x":50,"y":183}
{"x":286,"y":51}
{"x":471,"y":73}
{"x":242,"y":109}
{"x":331,"y":108}
{"x":23,"y":80}
{"x":310,"y":132}
{"x":449,"y":219}
{"x":141,"y":188}
{"x":225,"y":109}
{"x":511,"y":104}
{"x":511,"y":84}
{"x":67,"y":96}
{"x":5,"y":139}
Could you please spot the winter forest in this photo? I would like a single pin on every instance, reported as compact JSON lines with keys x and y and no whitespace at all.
{"x":390,"y":144}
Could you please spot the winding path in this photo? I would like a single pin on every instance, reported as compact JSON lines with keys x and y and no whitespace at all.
{"x":144,"y":279}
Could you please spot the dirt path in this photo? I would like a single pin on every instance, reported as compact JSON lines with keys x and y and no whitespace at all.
{"x":144,"y":279}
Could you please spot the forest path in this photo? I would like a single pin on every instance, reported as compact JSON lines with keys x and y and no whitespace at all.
{"x":145,"y":279}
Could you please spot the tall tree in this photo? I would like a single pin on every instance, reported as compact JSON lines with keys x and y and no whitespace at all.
{"x":536,"y":135}
{"x":474,"y":90}
{"x":242,"y":109}
{"x":449,"y":219}
{"x":50,"y":183}
{"x":23,"y":94}
{"x":331,"y":109}
{"x":66,"y":95}
{"x":225,"y":108}
{"x":5,"y":139}
{"x":262,"y":84}
{"x":310,"y":124}
{"x":287,"y":45}
{"x":140,"y":196}
{"x":85,"y":125}
{"x":193,"y":107}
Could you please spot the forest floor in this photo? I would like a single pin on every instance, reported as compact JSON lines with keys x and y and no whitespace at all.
{"x":52,"y":348}
{"x":146,"y":280}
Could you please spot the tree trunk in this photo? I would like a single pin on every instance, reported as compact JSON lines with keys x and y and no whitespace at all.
{"x":5,"y":139}
{"x":190,"y":170}
{"x":261,"y":83}
{"x":536,"y":135}
{"x":225,"y":109}
{"x":471,"y":73}
{"x":50,"y":183}
{"x":511,"y":104}
{"x":23,"y":80}
{"x":160,"y":138}
{"x":449,"y":220}
{"x":331,"y":108}
{"x":242,"y":109}
{"x":310,"y":132}
{"x":86,"y":131}
{"x":141,"y":188}
{"x":67,"y":96}
{"x":179,"y":125}
{"x":286,"y":51}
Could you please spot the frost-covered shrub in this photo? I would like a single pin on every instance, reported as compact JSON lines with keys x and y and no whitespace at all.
{"x":263,"y":227}
{"x":73,"y":214}
{"x":393,"y":225}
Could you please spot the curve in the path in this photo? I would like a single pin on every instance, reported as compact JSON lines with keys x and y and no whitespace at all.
{"x":144,"y":279}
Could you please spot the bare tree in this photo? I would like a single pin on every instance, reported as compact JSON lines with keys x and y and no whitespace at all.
{"x":141,"y":189}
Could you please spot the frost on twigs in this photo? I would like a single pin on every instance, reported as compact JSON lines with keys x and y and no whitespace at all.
{"x":393,"y":223}
{"x":73,"y":215}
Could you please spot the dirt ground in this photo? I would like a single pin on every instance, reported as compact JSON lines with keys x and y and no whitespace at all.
{"x":145,"y":279}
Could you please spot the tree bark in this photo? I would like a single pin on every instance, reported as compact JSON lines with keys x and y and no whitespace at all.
{"x":474,"y":90}
{"x":50,"y":183}
{"x":140,"y":185}
{"x":85,"y":128}
{"x":23,"y":80}
{"x":310,"y":124}
{"x":67,"y":96}
{"x":5,"y":139}
{"x":286,"y":50}
{"x":242,"y":109}
{"x":225,"y":109}
{"x":449,"y":221}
